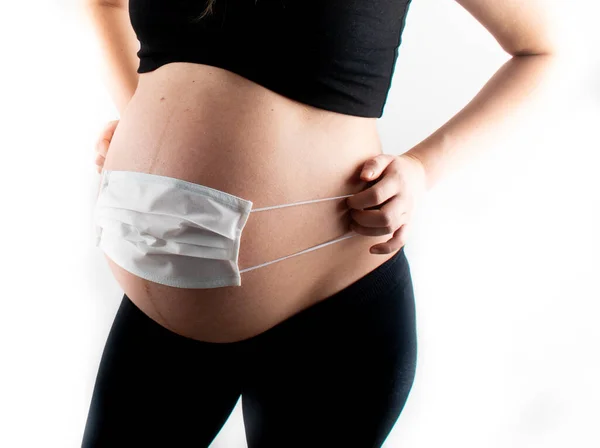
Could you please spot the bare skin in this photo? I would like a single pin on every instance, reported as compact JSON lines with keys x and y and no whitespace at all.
{"x":209,"y":126}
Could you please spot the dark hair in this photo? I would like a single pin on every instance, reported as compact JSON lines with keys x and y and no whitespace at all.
{"x":209,"y":9}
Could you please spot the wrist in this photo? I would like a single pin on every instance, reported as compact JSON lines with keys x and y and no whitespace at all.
{"x":420,"y":163}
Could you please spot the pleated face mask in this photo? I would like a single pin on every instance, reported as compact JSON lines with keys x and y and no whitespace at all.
{"x":175,"y":232}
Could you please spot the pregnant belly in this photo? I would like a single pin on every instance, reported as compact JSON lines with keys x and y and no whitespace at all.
{"x":211,"y":127}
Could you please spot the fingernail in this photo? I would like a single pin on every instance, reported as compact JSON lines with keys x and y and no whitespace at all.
{"x":369,"y":173}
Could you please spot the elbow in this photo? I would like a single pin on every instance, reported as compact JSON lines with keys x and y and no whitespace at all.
{"x":549,"y":50}
{"x":534,"y":52}
{"x":551,"y":43}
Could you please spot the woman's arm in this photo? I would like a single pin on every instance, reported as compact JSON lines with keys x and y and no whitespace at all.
{"x":118,"y":44}
{"x":529,"y":31}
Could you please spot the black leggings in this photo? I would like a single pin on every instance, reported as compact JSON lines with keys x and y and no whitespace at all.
{"x":335,"y":374}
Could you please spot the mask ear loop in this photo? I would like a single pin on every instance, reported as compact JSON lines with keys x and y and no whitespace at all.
{"x":318,"y":246}
{"x":327,"y":243}
{"x":299,"y":203}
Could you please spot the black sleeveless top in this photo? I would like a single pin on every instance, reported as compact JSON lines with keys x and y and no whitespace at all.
{"x":337,"y":55}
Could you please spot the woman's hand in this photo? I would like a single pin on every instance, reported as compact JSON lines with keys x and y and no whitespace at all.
{"x":104,"y":142}
{"x":393,"y":199}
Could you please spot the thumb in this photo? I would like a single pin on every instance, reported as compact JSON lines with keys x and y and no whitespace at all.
{"x":373,"y":167}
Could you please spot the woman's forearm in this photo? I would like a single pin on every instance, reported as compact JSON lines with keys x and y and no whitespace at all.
{"x":484,"y":117}
{"x":119,"y":46}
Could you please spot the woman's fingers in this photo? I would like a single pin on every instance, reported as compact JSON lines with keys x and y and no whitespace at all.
{"x":100,"y":160}
{"x":109,"y":129}
{"x":387,"y":219}
{"x":395,"y":243}
{"x":369,"y":230}
{"x":102,"y":147}
{"x":375,"y":195}
{"x":106,"y":136}
{"x":103,"y":143}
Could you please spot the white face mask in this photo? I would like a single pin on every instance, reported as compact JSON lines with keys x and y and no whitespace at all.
{"x":175,"y":232}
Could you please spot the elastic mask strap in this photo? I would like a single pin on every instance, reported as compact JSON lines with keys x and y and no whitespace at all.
{"x":299,"y":203}
{"x":352,"y":234}
{"x":310,"y":248}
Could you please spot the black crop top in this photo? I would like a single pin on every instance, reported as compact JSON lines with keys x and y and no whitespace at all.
{"x":337,"y":55}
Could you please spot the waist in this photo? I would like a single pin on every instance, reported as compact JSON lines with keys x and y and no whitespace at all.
{"x":210,"y":126}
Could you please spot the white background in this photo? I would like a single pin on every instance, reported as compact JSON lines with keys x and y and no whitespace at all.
{"x":504,"y":251}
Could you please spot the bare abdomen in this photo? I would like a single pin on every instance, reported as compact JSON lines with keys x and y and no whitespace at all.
{"x":209,"y":126}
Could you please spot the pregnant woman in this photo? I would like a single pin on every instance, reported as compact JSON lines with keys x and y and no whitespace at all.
{"x":254,"y":223}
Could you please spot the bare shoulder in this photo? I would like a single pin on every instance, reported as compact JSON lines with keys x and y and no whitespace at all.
{"x":520,"y":26}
